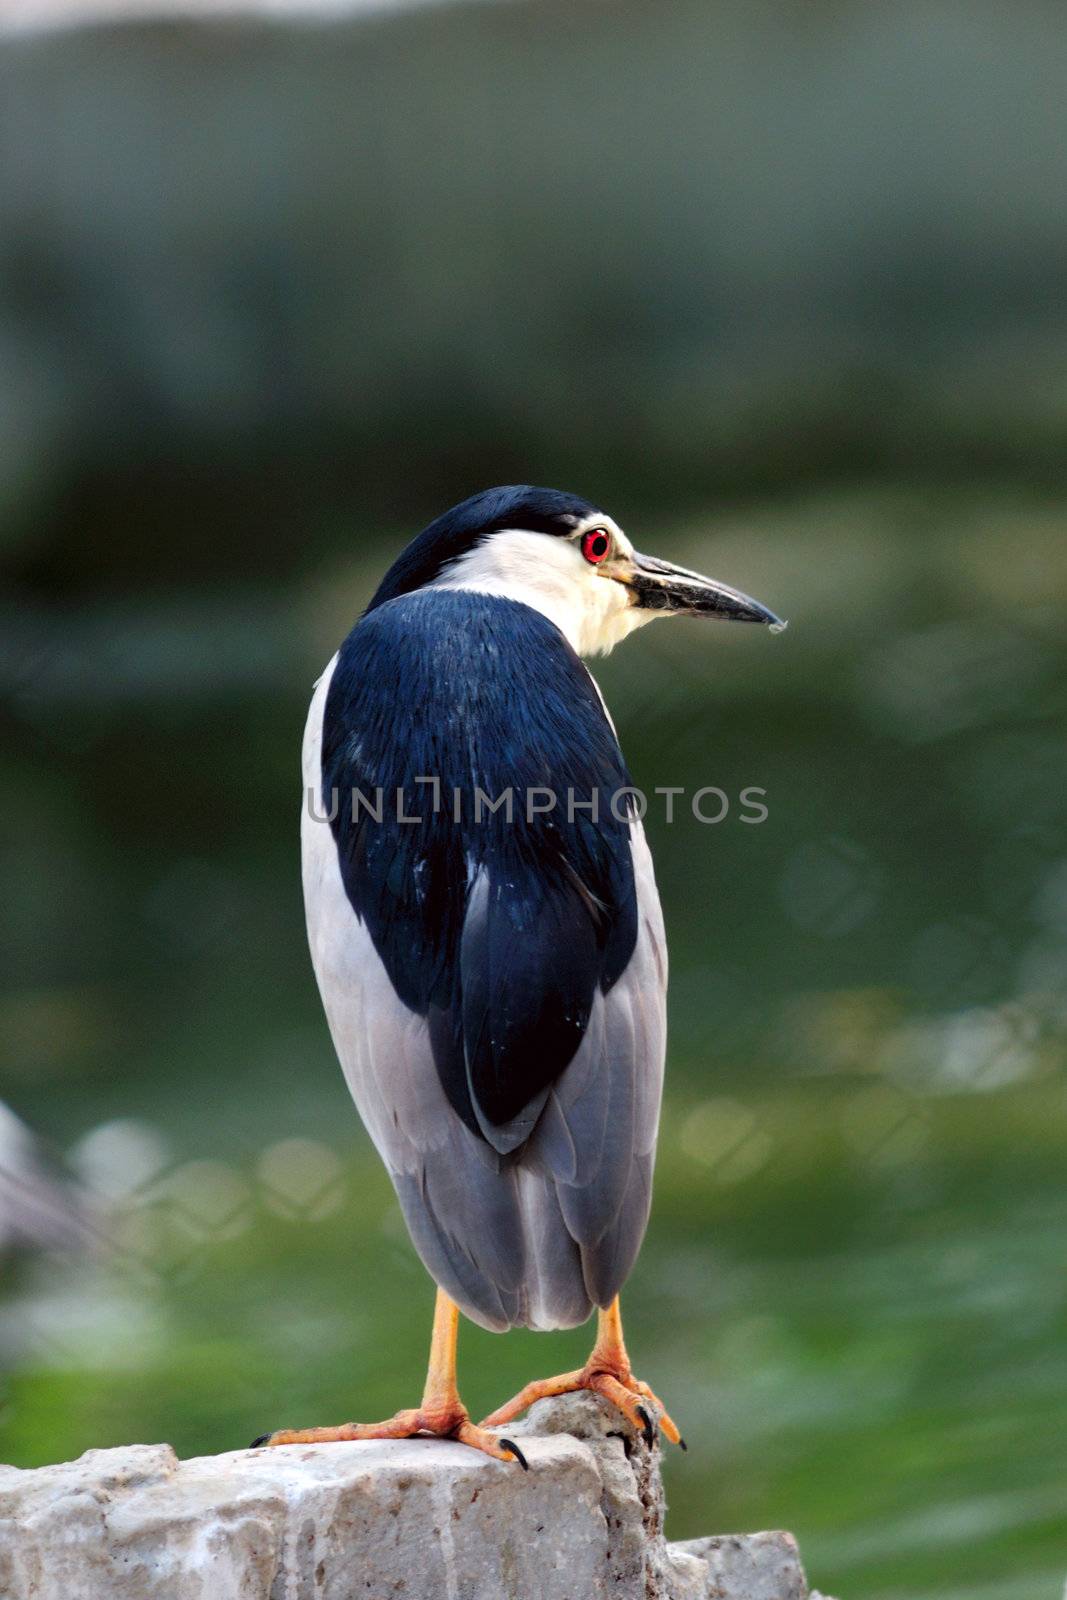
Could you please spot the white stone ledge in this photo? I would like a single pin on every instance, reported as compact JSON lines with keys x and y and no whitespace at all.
{"x":415,"y":1519}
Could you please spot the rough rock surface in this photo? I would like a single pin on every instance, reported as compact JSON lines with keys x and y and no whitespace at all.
{"x":416,"y":1518}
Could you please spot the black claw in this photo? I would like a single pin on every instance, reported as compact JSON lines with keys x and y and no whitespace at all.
{"x":648,"y":1432}
{"x":264,"y":1438}
{"x":509,"y":1444}
{"x":682,"y":1445}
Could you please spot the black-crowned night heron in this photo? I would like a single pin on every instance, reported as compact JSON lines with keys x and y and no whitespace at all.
{"x":494,"y":974}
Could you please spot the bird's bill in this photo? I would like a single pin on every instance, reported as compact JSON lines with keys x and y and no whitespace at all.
{"x":659,"y":586}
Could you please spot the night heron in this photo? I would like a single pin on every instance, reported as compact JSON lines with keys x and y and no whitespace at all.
{"x":494,"y":972}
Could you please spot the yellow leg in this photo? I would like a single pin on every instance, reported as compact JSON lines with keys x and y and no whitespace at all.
{"x":607,"y":1372}
{"x":442,"y":1412}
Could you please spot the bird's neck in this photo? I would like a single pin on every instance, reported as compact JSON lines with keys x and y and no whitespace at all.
{"x":593,"y":617}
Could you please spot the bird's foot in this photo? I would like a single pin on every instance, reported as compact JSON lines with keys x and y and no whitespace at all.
{"x":615,"y":1381}
{"x":440,"y":1422}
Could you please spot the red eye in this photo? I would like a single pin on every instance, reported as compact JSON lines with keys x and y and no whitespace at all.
{"x":595,"y":545}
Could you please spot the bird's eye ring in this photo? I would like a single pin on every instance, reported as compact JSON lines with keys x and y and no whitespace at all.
{"x":595,"y":545}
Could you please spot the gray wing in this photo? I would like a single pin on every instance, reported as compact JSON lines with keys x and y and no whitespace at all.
{"x":595,"y":1144}
{"x":535,"y":1236}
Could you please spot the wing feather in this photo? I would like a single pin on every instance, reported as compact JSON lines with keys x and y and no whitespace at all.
{"x":534,"y":1216}
{"x":597,"y":1138}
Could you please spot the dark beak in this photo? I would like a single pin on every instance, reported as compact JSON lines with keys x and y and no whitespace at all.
{"x":659,"y":586}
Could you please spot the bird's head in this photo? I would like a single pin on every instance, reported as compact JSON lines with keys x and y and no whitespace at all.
{"x":565,"y":557}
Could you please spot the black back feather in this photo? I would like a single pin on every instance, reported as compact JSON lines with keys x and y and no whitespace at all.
{"x":499,"y":932}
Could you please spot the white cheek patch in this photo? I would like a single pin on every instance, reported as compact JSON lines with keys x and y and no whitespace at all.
{"x":549,"y":573}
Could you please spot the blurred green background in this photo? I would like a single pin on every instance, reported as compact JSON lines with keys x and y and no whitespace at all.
{"x":782,"y":287}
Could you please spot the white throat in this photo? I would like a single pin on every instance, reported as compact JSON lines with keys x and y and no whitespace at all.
{"x":549,"y":573}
